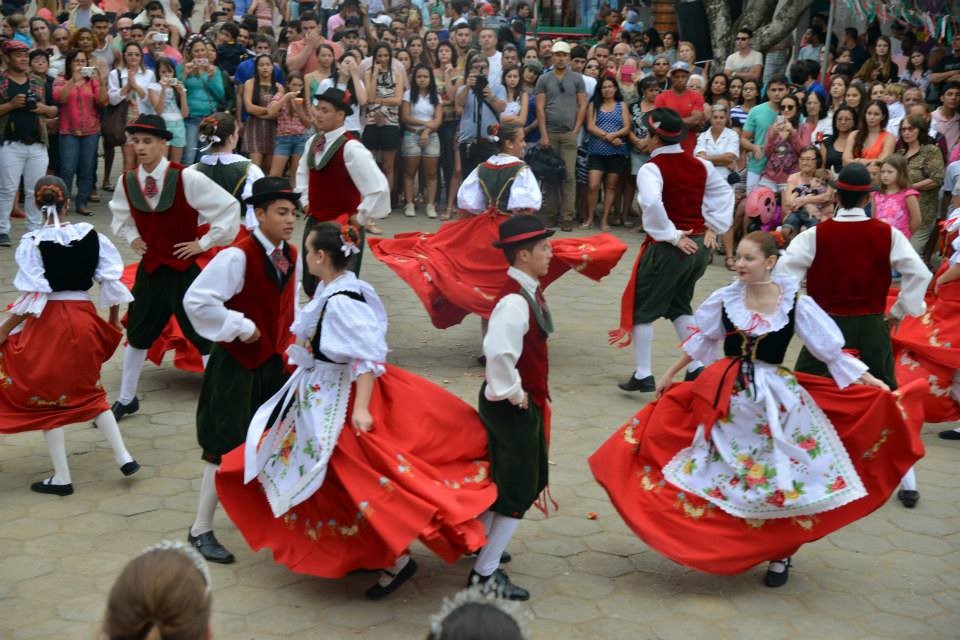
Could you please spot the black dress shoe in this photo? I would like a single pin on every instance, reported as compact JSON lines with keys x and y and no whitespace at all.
{"x":950,"y":434}
{"x":778,"y":579}
{"x":498,"y":583}
{"x":130,"y":468}
{"x":210,"y":548}
{"x":379,"y":592}
{"x":690,"y":376}
{"x":119,"y":409}
{"x":908,"y":498}
{"x":44,"y":486}
{"x":639,"y":384}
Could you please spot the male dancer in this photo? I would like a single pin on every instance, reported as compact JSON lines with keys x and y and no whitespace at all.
{"x":514,"y":399}
{"x":847,"y":262}
{"x":338,"y":177}
{"x":686,"y":204}
{"x":244,"y":302}
{"x":157,"y":208}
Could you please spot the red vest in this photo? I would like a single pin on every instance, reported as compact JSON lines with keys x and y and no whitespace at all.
{"x":265,"y":301}
{"x":332,"y":193}
{"x":850,"y":274}
{"x":174,"y":222}
{"x":684,"y":181}
{"x":533,"y":365}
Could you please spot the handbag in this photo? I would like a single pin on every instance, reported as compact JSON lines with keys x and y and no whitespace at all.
{"x":113,"y":123}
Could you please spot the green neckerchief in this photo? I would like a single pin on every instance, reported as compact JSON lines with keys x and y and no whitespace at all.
{"x":331,"y":149}
{"x":139,"y":201}
{"x":542,"y":314}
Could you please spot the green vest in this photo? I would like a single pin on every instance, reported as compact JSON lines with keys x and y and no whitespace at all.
{"x":496,"y":180}
{"x":231,"y":177}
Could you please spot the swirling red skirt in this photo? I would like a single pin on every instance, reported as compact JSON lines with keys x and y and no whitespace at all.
{"x":880,"y":430}
{"x":421,"y":473}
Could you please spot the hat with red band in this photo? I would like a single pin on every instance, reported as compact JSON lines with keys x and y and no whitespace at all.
{"x":854,"y":177}
{"x":666,"y":124}
{"x":266,"y":190}
{"x":521,"y":229}
{"x":153,"y":125}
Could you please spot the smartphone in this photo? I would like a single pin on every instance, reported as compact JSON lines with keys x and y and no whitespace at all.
{"x":626,"y":73}
{"x":87,"y":72}
{"x":781,"y":119}
{"x":160,"y":37}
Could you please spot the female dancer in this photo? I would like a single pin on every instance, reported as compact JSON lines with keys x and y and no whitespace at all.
{"x":57,"y":266}
{"x":750,"y":458}
{"x":363,"y":458}
{"x":457,"y":271}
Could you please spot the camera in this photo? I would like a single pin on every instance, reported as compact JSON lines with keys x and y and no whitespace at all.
{"x":31,"y":101}
{"x":480,"y":85}
{"x":201,"y":62}
{"x":173,"y":82}
{"x":87,"y":72}
{"x":160,"y":37}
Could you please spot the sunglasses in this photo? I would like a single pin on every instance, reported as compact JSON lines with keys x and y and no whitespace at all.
{"x":788,"y":107}
{"x":742,"y":38}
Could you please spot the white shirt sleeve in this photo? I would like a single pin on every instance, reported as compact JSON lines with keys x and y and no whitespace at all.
{"x":352,"y":333}
{"x":502,"y":347}
{"x":470,"y":196}
{"x":31,"y":280}
{"x":525,"y":192}
{"x":108,"y":274}
{"x":113,"y":87}
{"x":822,"y":337}
{"x":302,"y":180}
{"x":369,"y":180}
{"x":122,"y":225}
{"x":914,"y":277}
{"x":650,"y":198}
{"x":718,"y":200}
{"x":706,"y":342}
{"x":205,"y":300}
{"x":254,"y":173}
{"x":216,"y":206}
{"x":799,"y":255}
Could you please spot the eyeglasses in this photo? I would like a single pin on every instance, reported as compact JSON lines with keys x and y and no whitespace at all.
{"x":907,"y":128}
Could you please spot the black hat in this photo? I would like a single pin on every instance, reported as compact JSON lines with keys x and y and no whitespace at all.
{"x":522,"y":228}
{"x":854,"y":177}
{"x":337,"y":98}
{"x":154,"y":125}
{"x":269,"y":189}
{"x":667,"y":124}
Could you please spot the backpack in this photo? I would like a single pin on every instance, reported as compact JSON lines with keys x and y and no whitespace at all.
{"x":546,"y":164}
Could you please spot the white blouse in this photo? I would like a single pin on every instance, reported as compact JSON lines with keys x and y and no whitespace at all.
{"x":119,"y":78}
{"x":819,"y":333}
{"x":503,"y":344}
{"x":524,"y":192}
{"x":31,"y":278}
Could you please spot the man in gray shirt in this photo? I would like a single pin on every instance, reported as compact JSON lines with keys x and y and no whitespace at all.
{"x":478,"y":114}
{"x":561,"y":106}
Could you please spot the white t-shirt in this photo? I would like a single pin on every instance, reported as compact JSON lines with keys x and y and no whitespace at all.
{"x":736,"y":62}
{"x":421,"y":109}
{"x":728,"y":142}
{"x":495,"y":74}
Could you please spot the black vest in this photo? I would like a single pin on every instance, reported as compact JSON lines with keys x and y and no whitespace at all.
{"x":71,"y":267}
{"x":768,"y":347}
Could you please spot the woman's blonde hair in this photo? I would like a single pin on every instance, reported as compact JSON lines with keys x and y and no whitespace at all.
{"x":687,"y":43}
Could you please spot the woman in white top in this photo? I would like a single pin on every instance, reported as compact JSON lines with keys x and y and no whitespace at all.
{"x":422,"y":114}
{"x":720,"y":145}
{"x":517,"y":102}
{"x":131,"y":81}
{"x":346,"y":77}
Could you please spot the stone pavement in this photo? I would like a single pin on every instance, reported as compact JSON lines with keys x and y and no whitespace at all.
{"x":895,"y":574}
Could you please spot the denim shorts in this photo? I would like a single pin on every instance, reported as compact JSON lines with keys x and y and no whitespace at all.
{"x":411,"y":145}
{"x":289,"y":145}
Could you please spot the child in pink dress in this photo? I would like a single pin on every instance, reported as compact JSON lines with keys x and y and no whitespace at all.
{"x":895,"y":203}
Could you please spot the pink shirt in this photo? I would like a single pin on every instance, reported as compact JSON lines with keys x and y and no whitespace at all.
{"x":892,"y":209}
{"x":78,"y":108}
{"x":288,"y":124}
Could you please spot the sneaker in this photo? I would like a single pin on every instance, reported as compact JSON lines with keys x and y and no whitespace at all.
{"x":5,"y":240}
{"x":431,"y":211}
{"x":410,"y":210}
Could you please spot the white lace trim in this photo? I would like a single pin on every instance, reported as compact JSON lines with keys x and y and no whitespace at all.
{"x":754,"y":322}
{"x":63,"y":234}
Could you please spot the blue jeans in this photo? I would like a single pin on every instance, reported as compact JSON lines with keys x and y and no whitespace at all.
{"x":78,"y":157}
{"x":192,"y":126}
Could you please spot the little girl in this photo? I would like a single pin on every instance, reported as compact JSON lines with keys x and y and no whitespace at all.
{"x":169,"y":98}
{"x":293,"y":119}
{"x":895,"y":203}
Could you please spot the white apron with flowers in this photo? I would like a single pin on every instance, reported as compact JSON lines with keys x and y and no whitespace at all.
{"x":291,"y":460}
{"x":776,"y":454}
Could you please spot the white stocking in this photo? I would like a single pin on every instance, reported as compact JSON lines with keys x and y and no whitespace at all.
{"x":57,"y":447}
{"x":107,"y":425}
{"x":207,"y":502}
{"x":909,"y":481}
{"x":684,"y":325}
{"x":386,"y":578}
{"x":643,"y":349}
{"x":501,"y":531}
{"x":486,"y":519}
{"x":133,"y":360}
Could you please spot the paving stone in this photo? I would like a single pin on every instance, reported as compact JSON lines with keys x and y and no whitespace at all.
{"x":565,"y":609}
{"x":23,"y":567}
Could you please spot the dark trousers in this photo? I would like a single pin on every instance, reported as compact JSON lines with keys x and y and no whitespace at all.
{"x":869,"y":336}
{"x":156,"y":297}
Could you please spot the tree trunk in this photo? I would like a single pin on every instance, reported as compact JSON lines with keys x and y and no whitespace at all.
{"x":770,"y":20}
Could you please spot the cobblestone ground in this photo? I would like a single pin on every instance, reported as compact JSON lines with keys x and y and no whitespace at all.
{"x":895,"y":574}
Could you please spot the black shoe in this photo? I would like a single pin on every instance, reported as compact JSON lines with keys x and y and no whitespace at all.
{"x":5,"y":240}
{"x":499,"y":584}
{"x":119,"y":409}
{"x":949,"y":434}
{"x":130,"y":468}
{"x":774,"y":579}
{"x":210,"y":548}
{"x":908,"y":498}
{"x":690,"y":376}
{"x":44,"y":486}
{"x":646,"y":385}
{"x":482,"y":361}
{"x":378,"y":592}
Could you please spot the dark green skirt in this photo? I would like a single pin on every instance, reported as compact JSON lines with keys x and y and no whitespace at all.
{"x":868,"y":335}
{"x":666,"y":278}
{"x":518,"y":454}
{"x":229,"y":396}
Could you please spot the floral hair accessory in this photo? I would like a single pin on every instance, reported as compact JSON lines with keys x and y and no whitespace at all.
{"x":347,"y":233}
{"x":493,"y":132}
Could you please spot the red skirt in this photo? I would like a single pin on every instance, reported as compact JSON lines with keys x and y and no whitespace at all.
{"x":50,"y":371}
{"x":880,"y":430}
{"x":457,"y":270}
{"x":928,"y":348}
{"x":185,"y":355}
{"x":421,"y":473}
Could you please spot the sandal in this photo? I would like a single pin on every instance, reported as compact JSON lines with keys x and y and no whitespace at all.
{"x":372,"y":228}
{"x":106,"y":187}
{"x":586,"y":225}
{"x":730,"y":263}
